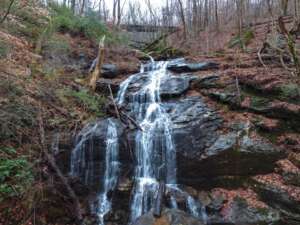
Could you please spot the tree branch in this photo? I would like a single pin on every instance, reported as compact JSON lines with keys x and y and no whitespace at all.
{"x":7,"y":11}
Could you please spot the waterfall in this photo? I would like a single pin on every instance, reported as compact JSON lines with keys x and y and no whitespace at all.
{"x":154,"y":146}
{"x":82,"y":165}
{"x":154,"y":149}
{"x":111,"y":171}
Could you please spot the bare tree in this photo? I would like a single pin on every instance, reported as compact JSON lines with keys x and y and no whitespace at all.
{"x":182,"y":16}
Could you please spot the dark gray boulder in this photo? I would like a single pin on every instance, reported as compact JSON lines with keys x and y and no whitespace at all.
{"x":230,"y":155}
{"x":170,"y":87}
{"x":174,"y":86}
{"x":209,"y":81}
{"x":183,"y":67}
{"x":109,"y":71}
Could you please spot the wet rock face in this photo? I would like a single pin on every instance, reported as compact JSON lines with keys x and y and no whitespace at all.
{"x":174,"y":86}
{"x":90,"y":153}
{"x":194,"y":126}
{"x":169,"y":217}
{"x":171,"y":87}
{"x":229,"y":155}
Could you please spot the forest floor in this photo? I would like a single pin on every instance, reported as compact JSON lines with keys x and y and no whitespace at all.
{"x":46,"y":91}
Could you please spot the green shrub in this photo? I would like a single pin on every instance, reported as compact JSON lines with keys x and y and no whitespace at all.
{"x":91,"y":103}
{"x":16,"y":173}
{"x":243,"y":40}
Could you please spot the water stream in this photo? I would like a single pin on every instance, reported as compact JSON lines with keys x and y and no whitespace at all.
{"x":154,"y":149}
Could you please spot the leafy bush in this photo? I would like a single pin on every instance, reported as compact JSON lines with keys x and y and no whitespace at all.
{"x":16,"y":173}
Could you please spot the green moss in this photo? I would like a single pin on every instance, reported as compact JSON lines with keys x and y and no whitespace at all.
{"x":258,"y":102}
{"x":290,"y":91}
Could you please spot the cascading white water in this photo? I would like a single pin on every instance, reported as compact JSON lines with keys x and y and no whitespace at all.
{"x":82,"y":165}
{"x":154,"y":147}
{"x":111,"y":171}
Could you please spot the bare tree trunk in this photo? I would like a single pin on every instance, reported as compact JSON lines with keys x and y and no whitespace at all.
{"x":284,"y":7}
{"x":239,"y":8}
{"x":73,"y":2}
{"x":181,"y":11}
{"x":82,"y":7}
{"x":205,"y":13}
{"x":114,"y":11}
{"x":216,"y":15}
{"x":119,"y":13}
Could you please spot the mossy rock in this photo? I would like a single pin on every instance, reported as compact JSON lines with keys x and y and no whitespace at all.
{"x":291,"y":92}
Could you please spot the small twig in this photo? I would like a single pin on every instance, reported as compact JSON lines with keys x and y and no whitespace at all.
{"x":114,"y":103}
{"x":259,"y":56}
{"x":7,"y":12}
{"x":238,"y":90}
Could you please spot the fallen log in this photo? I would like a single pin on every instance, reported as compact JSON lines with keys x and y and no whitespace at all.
{"x":98,"y":64}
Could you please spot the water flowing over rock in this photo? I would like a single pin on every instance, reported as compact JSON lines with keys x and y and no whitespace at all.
{"x":179,"y":143}
{"x":89,"y":155}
